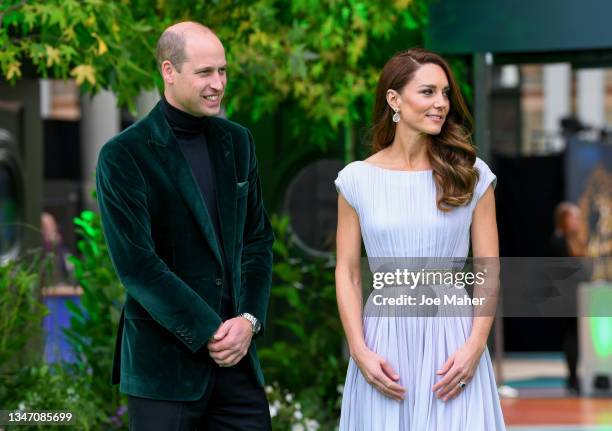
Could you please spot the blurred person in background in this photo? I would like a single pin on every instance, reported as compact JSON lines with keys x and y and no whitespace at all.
{"x":568,"y":241}
{"x":53,"y":246}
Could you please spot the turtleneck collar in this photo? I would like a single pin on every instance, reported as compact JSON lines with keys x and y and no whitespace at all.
{"x":180,"y":121}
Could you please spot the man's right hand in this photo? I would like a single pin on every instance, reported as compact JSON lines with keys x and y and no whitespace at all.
{"x":231,"y":341}
{"x":379,"y":373}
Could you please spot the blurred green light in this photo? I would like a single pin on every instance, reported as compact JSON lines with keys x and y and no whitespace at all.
{"x":601,"y":327}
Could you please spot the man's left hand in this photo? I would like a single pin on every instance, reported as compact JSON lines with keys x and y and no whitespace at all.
{"x":231,"y":341}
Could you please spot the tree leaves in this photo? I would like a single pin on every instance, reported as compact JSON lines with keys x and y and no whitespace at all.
{"x":98,"y":43}
{"x":13,"y":70}
{"x":102,"y":47}
{"x":84,"y":72}
{"x":53,"y":55}
{"x":323,"y":56}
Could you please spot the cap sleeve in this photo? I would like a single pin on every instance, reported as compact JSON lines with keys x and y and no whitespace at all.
{"x":345,"y":185}
{"x":486,"y":178}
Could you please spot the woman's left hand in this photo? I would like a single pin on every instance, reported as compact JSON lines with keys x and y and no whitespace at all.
{"x":459,"y":367}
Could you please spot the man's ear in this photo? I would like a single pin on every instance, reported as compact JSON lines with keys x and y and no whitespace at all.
{"x":168,"y":71}
{"x":393,"y":99}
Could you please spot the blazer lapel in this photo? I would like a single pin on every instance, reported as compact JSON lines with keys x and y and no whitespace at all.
{"x":173,"y":161}
{"x":221,"y":152}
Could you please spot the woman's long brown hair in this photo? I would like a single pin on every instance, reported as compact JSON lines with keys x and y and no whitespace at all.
{"x":451,"y":153}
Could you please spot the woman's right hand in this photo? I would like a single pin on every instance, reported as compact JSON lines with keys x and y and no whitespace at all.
{"x":379,"y":373}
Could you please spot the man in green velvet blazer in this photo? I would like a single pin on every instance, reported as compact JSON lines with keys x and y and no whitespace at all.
{"x":182,"y":212}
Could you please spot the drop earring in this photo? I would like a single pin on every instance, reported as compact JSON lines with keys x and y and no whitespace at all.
{"x":396,"y":116}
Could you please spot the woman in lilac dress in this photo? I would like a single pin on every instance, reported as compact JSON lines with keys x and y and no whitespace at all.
{"x":422,"y":194}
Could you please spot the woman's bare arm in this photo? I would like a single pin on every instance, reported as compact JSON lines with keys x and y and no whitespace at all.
{"x":375,"y":369}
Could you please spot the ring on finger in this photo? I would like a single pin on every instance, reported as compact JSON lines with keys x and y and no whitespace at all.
{"x":461,"y":384}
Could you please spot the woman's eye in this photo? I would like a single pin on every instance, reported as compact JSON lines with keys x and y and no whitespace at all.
{"x":427,"y":92}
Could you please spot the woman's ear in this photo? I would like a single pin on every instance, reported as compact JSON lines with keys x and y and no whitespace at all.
{"x":393,"y":99}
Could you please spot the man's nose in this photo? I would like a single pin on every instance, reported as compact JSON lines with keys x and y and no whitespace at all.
{"x":217,"y":82}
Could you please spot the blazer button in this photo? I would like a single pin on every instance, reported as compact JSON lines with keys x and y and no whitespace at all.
{"x":219,"y":282}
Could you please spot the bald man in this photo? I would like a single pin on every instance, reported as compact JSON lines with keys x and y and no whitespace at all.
{"x":182,"y":211}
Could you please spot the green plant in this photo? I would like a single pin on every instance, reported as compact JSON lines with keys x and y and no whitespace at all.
{"x":323,"y":56}
{"x":94,"y":322}
{"x":21,"y":311}
{"x":286,"y":411}
{"x":306,"y":356}
{"x":60,"y":387}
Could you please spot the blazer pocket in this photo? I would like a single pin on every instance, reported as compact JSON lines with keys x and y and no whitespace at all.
{"x":242,"y":189}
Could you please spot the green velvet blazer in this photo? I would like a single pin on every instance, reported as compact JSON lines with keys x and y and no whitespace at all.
{"x":163,"y":247}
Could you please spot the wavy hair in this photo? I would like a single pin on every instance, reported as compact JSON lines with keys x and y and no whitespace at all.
{"x":451,"y":153}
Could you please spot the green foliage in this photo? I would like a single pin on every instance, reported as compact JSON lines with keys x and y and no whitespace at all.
{"x":306,"y":357}
{"x":82,"y":388}
{"x":86,"y":40}
{"x":93,"y":324}
{"x":287,"y":412}
{"x":21,"y":310}
{"x":460,"y":71}
{"x":323,"y":56}
{"x":317,"y":53}
{"x":56,"y":387}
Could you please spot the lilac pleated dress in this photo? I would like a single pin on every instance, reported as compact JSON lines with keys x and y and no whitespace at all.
{"x":399,"y":218}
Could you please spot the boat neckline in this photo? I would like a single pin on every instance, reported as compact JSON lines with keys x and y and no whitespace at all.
{"x":395,"y":170}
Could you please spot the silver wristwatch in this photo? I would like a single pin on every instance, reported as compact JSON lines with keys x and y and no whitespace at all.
{"x":254,"y":321}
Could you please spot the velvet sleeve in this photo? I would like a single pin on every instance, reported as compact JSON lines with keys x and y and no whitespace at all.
{"x":257,"y":249}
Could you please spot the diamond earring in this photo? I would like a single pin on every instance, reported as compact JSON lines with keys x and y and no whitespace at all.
{"x":396,"y":116}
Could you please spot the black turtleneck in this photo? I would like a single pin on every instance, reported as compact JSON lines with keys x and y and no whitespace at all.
{"x":189,"y":132}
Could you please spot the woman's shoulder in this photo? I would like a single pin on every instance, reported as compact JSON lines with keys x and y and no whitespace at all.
{"x":348,"y":182}
{"x":486,"y":177}
{"x":352,"y":169}
{"x":481,"y":165}
{"x":484,"y":171}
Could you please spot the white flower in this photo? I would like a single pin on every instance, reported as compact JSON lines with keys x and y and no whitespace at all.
{"x":22,"y":406}
{"x":298,"y":415}
{"x":312,"y":425}
{"x":273,"y":411}
{"x":277,"y":404}
{"x":298,"y":285}
{"x":297,"y":427}
{"x":298,"y":406}
{"x":340,"y":389}
{"x":289,"y":397}
{"x":269,"y":389}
